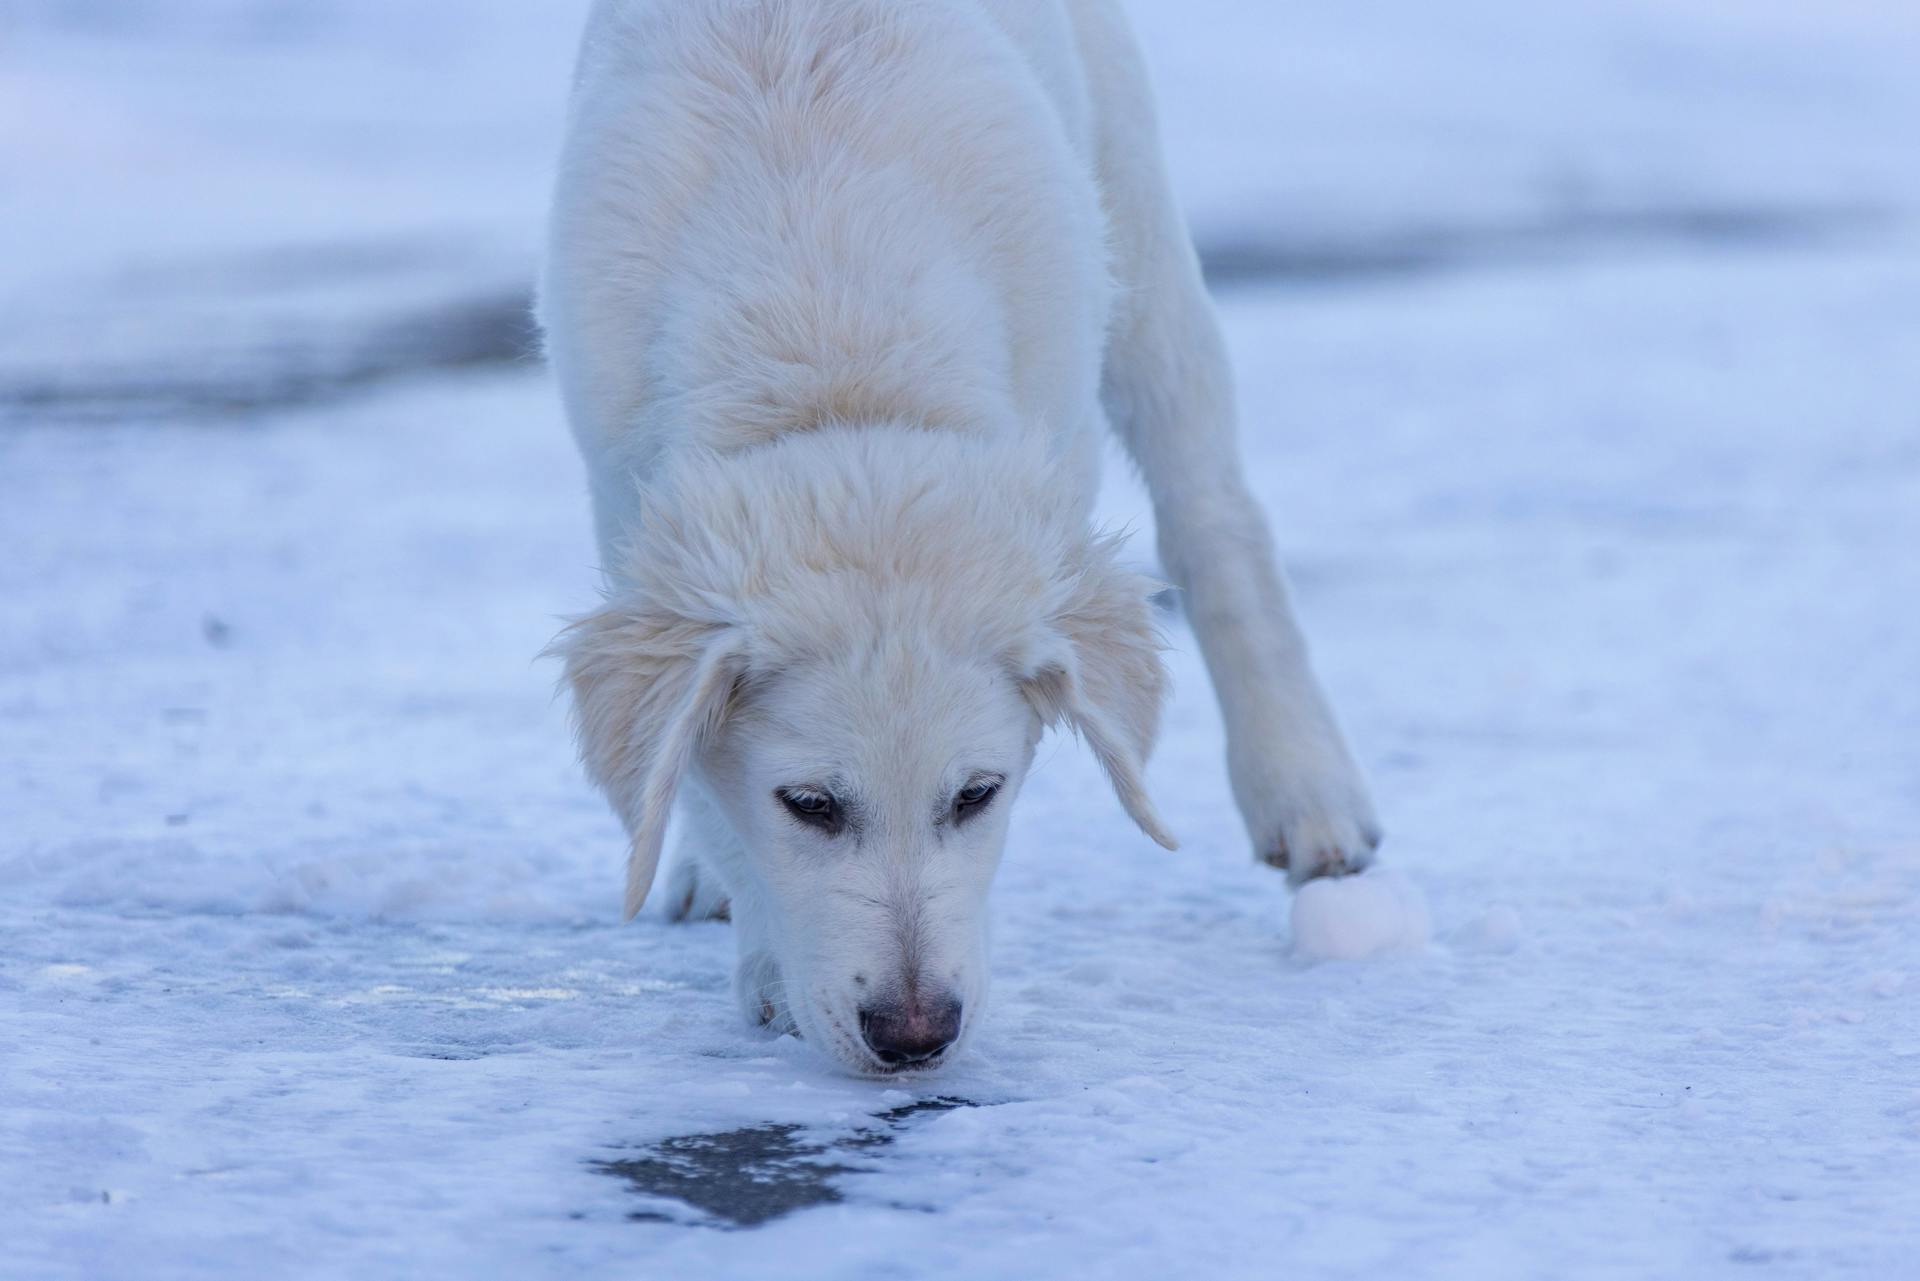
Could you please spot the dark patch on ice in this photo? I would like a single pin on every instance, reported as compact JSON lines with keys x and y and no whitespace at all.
{"x":446,"y":1054}
{"x":300,"y":364}
{"x":209,"y":338}
{"x":1231,"y":260}
{"x":744,"y":1178}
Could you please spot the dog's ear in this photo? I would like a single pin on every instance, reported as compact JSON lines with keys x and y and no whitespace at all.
{"x":1096,"y":666}
{"x":647,"y":689}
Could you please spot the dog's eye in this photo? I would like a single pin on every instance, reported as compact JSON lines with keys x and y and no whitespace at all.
{"x":975,"y":796}
{"x":817,"y":809}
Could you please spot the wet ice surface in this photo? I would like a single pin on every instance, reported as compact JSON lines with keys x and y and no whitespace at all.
{"x":745,"y":1177}
{"x":309,"y":961}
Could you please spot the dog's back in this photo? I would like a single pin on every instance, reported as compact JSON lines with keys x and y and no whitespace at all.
{"x":780,"y":214}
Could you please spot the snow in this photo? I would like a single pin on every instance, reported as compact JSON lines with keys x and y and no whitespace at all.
{"x":1602,"y":525}
{"x":1495,"y":930}
{"x":1351,"y":918}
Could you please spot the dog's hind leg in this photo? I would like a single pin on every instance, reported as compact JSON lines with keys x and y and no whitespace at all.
{"x":1168,"y":394}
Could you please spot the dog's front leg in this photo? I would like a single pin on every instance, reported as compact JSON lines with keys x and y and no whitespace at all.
{"x":1304,"y":801}
{"x":758,"y":985}
{"x":696,"y":887}
{"x":708,"y":861}
{"x":1168,"y":393}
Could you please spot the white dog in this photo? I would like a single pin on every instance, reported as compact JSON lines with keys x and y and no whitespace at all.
{"x":840,"y":295}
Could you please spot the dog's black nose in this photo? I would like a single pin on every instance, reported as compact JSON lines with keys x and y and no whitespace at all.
{"x":908,"y":1032}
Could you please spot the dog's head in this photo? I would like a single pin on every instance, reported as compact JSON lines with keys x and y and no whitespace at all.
{"x":854,"y":639}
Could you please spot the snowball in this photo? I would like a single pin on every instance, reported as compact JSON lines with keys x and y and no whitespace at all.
{"x":1347,"y":918}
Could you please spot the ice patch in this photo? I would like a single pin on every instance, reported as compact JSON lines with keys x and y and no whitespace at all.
{"x":1349,"y":918}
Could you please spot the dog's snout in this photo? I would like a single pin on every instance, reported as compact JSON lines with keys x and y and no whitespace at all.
{"x":913,"y":1031}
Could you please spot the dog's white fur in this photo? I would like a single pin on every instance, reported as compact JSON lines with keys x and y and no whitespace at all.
{"x":840,"y":294}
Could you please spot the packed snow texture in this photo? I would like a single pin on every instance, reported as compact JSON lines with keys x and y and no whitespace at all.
{"x":1577,"y":351}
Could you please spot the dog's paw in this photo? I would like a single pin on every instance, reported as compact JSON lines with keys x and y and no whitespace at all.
{"x":1315,"y":823}
{"x":757,"y":986}
{"x":693,"y":893}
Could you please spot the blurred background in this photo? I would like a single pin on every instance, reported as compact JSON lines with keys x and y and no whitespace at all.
{"x":215,"y":206}
{"x":1578,"y":347}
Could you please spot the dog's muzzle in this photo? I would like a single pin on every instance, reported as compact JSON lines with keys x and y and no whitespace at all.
{"x":914,"y":1031}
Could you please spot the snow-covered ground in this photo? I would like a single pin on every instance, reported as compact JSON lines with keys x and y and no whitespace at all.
{"x":1580,"y":354}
